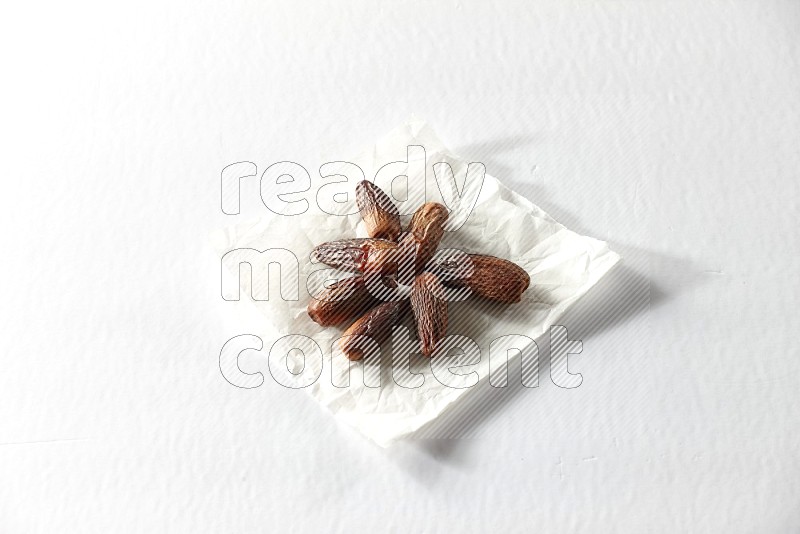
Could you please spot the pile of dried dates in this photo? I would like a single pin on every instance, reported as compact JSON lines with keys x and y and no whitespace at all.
{"x":396,"y":270}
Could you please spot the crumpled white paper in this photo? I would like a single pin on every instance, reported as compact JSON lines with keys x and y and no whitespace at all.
{"x":562,"y":265}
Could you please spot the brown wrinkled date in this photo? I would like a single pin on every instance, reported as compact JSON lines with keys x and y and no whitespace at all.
{"x":427,"y":228}
{"x":342,"y":300}
{"x":487,"y":276}
{"x":367,"y":333}
{"x":351,"y":254}
{"x":430,"y":309}
{"x":380,"y":215}
{"x":391,"y":258}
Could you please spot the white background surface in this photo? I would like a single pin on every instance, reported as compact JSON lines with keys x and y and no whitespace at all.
{"x":668,"y":129}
